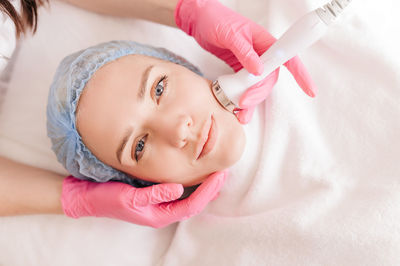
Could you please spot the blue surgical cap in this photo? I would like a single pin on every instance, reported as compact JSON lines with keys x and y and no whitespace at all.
{"x":70,"y":79}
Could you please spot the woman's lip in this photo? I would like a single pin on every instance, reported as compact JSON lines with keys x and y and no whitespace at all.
{"x":203,"y":137}
{"x":210,"y":139}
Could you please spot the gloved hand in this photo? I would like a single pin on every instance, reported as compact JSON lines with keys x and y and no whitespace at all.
{"x":239,"y":42}
{"x":155,"y":206}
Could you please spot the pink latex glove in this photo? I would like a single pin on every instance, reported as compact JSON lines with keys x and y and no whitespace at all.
{"x":239,"y":42}
{"x":155,"y":206}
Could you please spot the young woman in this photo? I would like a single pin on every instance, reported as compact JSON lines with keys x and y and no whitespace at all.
{"x":25,"y":189}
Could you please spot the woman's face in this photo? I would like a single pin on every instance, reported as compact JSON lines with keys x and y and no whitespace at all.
{"x":151,"y":118}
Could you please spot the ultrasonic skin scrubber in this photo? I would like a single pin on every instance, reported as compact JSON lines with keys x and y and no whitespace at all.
{"x":227,"y":89}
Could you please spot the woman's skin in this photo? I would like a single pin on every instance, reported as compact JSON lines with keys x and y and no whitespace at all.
{"x":172,"y":121}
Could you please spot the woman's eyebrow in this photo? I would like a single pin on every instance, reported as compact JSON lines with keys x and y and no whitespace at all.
{"x":143,"y":83}
{"x":122,"y":145}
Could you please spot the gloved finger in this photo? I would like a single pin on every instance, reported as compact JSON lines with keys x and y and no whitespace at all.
{"x":199,"y":199}
{"x":301,"y":75}
{"x":245,"y":53}
{"x":157,"y":194}
{"x":259,"y":92}
{"x":262,"y":39}
{"x":245,"y":115}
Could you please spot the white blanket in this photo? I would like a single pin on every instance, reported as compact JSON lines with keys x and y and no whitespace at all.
{"x":318,"y":183}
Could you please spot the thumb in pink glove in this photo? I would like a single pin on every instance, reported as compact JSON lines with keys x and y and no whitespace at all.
{"x":239,"y":42}
{"x":155,"y":206}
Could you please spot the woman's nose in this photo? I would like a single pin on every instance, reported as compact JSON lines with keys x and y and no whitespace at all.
{"x":177,"y":131}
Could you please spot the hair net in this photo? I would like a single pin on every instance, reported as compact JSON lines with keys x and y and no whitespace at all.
{"x":70,"y":79}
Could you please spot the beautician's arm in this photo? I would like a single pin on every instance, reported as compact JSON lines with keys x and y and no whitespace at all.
{"x":27,"y":190}
{"x":159,"y":11}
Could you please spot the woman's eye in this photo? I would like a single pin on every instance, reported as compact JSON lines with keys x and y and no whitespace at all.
{"x":139,"y":148}
{"x":159,"y":90}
